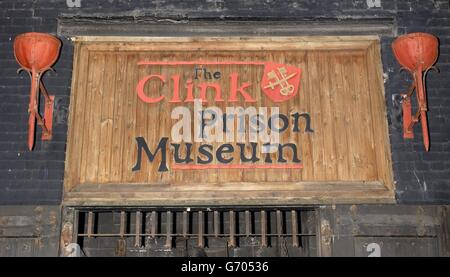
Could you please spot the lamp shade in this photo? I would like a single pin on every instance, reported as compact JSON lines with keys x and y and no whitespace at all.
{"x":36,"y":51}
{"x":416,"y":48}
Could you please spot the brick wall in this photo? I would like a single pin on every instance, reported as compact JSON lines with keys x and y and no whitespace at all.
{"x":36,"y":177}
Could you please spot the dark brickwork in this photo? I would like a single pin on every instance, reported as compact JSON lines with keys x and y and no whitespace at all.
{"x":36,"y":177}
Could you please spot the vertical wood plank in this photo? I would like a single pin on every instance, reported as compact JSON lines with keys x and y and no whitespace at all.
{"x":349,"y":118}
{"x":106,"y":118}
{"x":307,"y":173}
{"x":129,"y":139}
{"x":83,"y":131}
{"x":77,"y":97}
{"x":93,"y":135}
{"x":366,"y":160}
{"x":339,"y":125}
{"x":379,"y":115}
{"x":120,"y":102}
{"x":327,"y":97}
{"x":317,"y":115}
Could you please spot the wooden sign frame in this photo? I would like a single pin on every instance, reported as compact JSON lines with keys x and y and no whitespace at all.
{"x":380,"y":190}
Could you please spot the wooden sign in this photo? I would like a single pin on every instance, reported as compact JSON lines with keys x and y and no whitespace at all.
{"x":229,"y":121}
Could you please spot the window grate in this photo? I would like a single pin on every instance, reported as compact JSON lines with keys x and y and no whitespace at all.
{"x":145,"y":229}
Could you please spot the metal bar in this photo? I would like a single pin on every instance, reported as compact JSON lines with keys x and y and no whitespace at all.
{"x":137,"y":241}
{"x":147,"y":227}
{"x":408,"y":120}
{"x":425,"y":135}
{"x":32,"y":108}
{"x":410,"y":90}
{"x":185,"y":223}
{"x":48,"y":119}
{"x":263,"y":229}
{"x":89,"y":224}
{"x":216,"y":224}
{"x":168,"y":229}
{"x":248,"y":229}
{"x":232,"y":229}
{"x":153,"y":224}
{"x":279,"y":223}
{"x":76,"y":219}
{"x":201,"y":227}
{"x":122,"y":223}
{"x":281,"y":242}
{"x":40,"y":121}
{"x":121,"y":243}
{"x":44,"y":91}
{"x":294,"y":221}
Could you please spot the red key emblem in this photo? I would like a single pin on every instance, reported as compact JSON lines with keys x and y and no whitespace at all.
{"x":280,"y":82}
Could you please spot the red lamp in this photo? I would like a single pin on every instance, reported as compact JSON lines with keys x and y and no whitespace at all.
{"x":36,"y":53}
{"x":417,"y":53}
